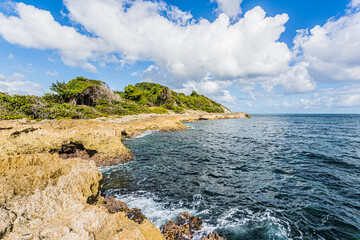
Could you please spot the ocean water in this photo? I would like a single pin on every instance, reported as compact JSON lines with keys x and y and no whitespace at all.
{"x":268,"y":177}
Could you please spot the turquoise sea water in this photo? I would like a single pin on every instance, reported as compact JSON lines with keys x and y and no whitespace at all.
{"x":268,"y":177}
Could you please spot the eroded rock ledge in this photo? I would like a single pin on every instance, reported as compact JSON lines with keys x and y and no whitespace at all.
{"x":43,"y":196}
{"x":98,"y":140}
{"x":50,"y":188}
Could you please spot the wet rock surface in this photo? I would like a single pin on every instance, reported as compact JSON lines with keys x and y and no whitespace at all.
{"x":114,"y":206}
{"x":213,"y":236}
{"x":184,"y":228}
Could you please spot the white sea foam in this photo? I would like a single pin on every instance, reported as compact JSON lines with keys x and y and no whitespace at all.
{"x":234,"y":220}
{"x":111,"y":168}
{"x":238,"y":220}
{"x":156,"y":211}
{"x":146,"y":133}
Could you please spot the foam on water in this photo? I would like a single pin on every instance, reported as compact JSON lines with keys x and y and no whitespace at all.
{"x":237,"y":221}
{"x":151,"y":206}
{"x":111,"y":168}
{"x":146,"y":133}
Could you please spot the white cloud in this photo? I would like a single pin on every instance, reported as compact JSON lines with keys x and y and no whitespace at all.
{"x":205,"y":86}
{"x":11,"y":56}
{"x":211,"y":88}
{"x":247,"y":47}
{"x":155,"y":31}
{"x":226,"y":97}
{"x":350,"y":101}
{"x":215,"y":89}
{"x":53,"y":74}
{"x":346,"y":96}
{"x":230,"y":7}
{"x":37,"y":28}
{"x":326,"y":99}
{"x":296,"y":80}
{"x":196,"y":54}
{"x":17,"y":84}
{"x":355,"y":3}
{"x":332,"y":50}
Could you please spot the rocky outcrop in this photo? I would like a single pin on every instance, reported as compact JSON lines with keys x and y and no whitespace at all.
{"x":98,"y":140}
{"x":45,"y":197}
{"x":90,"y":140}
{"x":184,"y":228}
{"x":50,"y":184}
{"x":213,"y":236}
{"x":114,"y":206}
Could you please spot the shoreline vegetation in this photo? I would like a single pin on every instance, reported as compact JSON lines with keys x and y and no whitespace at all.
{"x":50,"y":185}
{"x":83,"y":98}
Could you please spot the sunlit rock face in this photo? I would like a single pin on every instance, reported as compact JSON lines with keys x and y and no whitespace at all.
{"x":46,"y":197}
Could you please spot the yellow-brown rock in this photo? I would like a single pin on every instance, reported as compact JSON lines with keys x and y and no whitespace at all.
{"x":50,"y":187}
{"x":99,"y":140}
{"x":45,"y":197}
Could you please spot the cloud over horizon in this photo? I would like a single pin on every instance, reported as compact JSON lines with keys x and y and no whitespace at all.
{"x":17,"y":84}
{"x":242,"y":50}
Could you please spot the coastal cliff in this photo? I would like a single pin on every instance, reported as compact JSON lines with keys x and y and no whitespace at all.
{"x":50,"y":186}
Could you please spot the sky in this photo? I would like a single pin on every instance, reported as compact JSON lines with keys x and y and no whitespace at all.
{"x":257,"y":56}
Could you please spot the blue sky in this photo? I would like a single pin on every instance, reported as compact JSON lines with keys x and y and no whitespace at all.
{"x":258,"y":56}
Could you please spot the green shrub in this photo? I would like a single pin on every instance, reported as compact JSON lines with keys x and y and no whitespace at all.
{"x":157,"y":110}
{"x":142,"y":98}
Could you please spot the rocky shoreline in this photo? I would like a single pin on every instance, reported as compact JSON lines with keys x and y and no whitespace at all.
{"x":50,"y":186}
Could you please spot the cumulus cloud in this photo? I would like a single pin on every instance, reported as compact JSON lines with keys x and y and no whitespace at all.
{"x":155,"y":31}
{"x":355,"y":3}
{"x":35,"y":28}
{"x":230,"y":7}
{"x":196,"y":54}
{"x":17,"y":84}
{"x":143,"y":32}
{"x":296,"y":80}
{"x":215,"y":89}
{"x":332,"y":50}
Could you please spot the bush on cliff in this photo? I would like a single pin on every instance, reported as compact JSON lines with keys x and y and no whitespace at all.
{"x":152,"y":94}
{"x":86,"y":98}
{"x":83,"y":91}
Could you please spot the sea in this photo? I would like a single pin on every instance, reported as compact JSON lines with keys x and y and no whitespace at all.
{"x":267,"y":177}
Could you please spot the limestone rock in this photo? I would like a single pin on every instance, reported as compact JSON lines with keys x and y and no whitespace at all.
{"x":50,"y":188}
{"x":171,"y":231}
{"x":183,"y":228}
{"x":45,"y":197}
{"x":98,"y":140}
{"x":114,"y":206}
{"x":213,"y":236}
{"x":185,"y":218}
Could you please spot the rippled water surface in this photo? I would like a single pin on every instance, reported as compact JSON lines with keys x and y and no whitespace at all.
{"x":268,"y":177}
